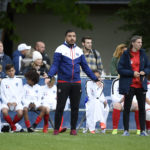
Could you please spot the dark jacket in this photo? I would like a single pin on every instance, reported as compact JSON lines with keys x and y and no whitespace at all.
{"x":4,"y":61}
{"x":43,"y":69}
{"x":46,"y":58}
{"x":126,"y":72}
{"x":113,"y":66}
{"x":16,"y":59}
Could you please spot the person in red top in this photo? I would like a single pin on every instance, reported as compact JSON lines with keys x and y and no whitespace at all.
{"x":133,"y":68}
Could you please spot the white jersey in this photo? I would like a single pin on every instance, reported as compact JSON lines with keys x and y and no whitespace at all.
{"x":94,"y":91}
{"x":49,"y":96}
{"x":95,"y":110}
{"x":32,"y":94}
{"x":11,"y":90}
{"x":115,"y":96}
{"x":147,"y":106}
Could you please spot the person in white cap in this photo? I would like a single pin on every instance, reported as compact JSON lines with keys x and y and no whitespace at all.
{"x":19,"y":54}
{"x":37,"y":64}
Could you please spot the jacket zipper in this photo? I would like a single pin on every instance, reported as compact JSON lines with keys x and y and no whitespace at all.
{"x":72,"y":64}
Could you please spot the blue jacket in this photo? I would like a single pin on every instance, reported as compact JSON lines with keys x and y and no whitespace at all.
{"x":66,"y":63}
{"x":16,"y":60}
{"x":126,"y":72}
{"x":4,"y":61}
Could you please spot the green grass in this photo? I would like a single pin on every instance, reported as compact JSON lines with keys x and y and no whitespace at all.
{"x":64,"y":141}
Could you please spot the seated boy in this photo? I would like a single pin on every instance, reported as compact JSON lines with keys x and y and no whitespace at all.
{"x":147,"y":106}
{"x":97,"y":108}
{"x":49,"y":101}
{"x":32,"y":99}
{"x":11,"y":94}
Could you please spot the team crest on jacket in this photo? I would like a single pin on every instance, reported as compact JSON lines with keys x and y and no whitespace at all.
{"x":16,"y":84}
{"x":7,"y":86}
{"x":59,"y":90}
{"x":77,"y":54}
{"x":36,"y":91}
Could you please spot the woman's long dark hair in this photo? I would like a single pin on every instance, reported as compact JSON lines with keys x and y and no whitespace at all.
{"x":133,"y":39}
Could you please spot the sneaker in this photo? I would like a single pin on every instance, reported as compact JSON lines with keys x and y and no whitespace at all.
{"x":85,"y":130}
{"x":34,"y":125}
{"x":55,"y":132}
{"x":93,"y":132}
{"x":45,"y":129}
{"x":73,"y":132}
{"x":114,"y":132}
{"x":143,"y":133}
{"x":103,"y":125}
{"x":138,"y":132}
{"x":13,"y":128}
{"x":30,"y":129}
{"x":148,"y":131}
{"x":61,"y":130}
{"x":126,"y":133}
{"x":103,"y":131}
{"x":22,"y":130}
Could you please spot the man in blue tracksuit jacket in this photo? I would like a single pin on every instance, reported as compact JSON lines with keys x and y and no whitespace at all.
{"x":67,"y":60}
{"x":133,"y":68}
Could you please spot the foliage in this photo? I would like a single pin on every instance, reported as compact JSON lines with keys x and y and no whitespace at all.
{"x":69,"y":10}
{"x":137,"y":19}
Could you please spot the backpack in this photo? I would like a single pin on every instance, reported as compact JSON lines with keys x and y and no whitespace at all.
{"x":95,"y":55}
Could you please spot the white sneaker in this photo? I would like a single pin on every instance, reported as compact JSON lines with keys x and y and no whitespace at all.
{"x":85,"y":130}
{"x":103,"y":131}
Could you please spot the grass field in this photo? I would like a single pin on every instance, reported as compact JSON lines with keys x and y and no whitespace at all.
{"x":64,"y":141}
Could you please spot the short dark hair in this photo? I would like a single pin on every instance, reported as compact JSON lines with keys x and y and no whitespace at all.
{"x":85,"y":38}
{"x":32,"y":75}
{"x":68,"y":31}
{"x":9,"y":66}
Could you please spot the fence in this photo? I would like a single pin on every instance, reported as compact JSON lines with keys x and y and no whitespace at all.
{"x":107,"y":91}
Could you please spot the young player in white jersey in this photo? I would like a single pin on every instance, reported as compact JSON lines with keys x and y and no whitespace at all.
{"x":49,"y":101}
{"x":117,"y":104}
{"x":97,"y":108}
{"x":147,"y":106}
{"x":32,"y":99}
{"x":11,"y":94}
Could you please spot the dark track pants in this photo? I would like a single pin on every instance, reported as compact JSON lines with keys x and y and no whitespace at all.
{"x":141,"y":97}
{"x":65,"y":90}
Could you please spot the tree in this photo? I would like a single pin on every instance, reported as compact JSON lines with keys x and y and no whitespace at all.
{"x":137,"y":19}
{"x":69,"y":10}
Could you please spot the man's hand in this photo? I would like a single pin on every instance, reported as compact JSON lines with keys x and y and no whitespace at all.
{"x":142,"y":73}
{"x":136,"y":74}
{"x":47,"y":80}
{"x":105,"y":104}
{"x":99,"y":83}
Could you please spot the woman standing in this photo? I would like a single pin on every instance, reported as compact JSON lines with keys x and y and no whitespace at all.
{"x":116,"y":57}
{"x":133,"y":68}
